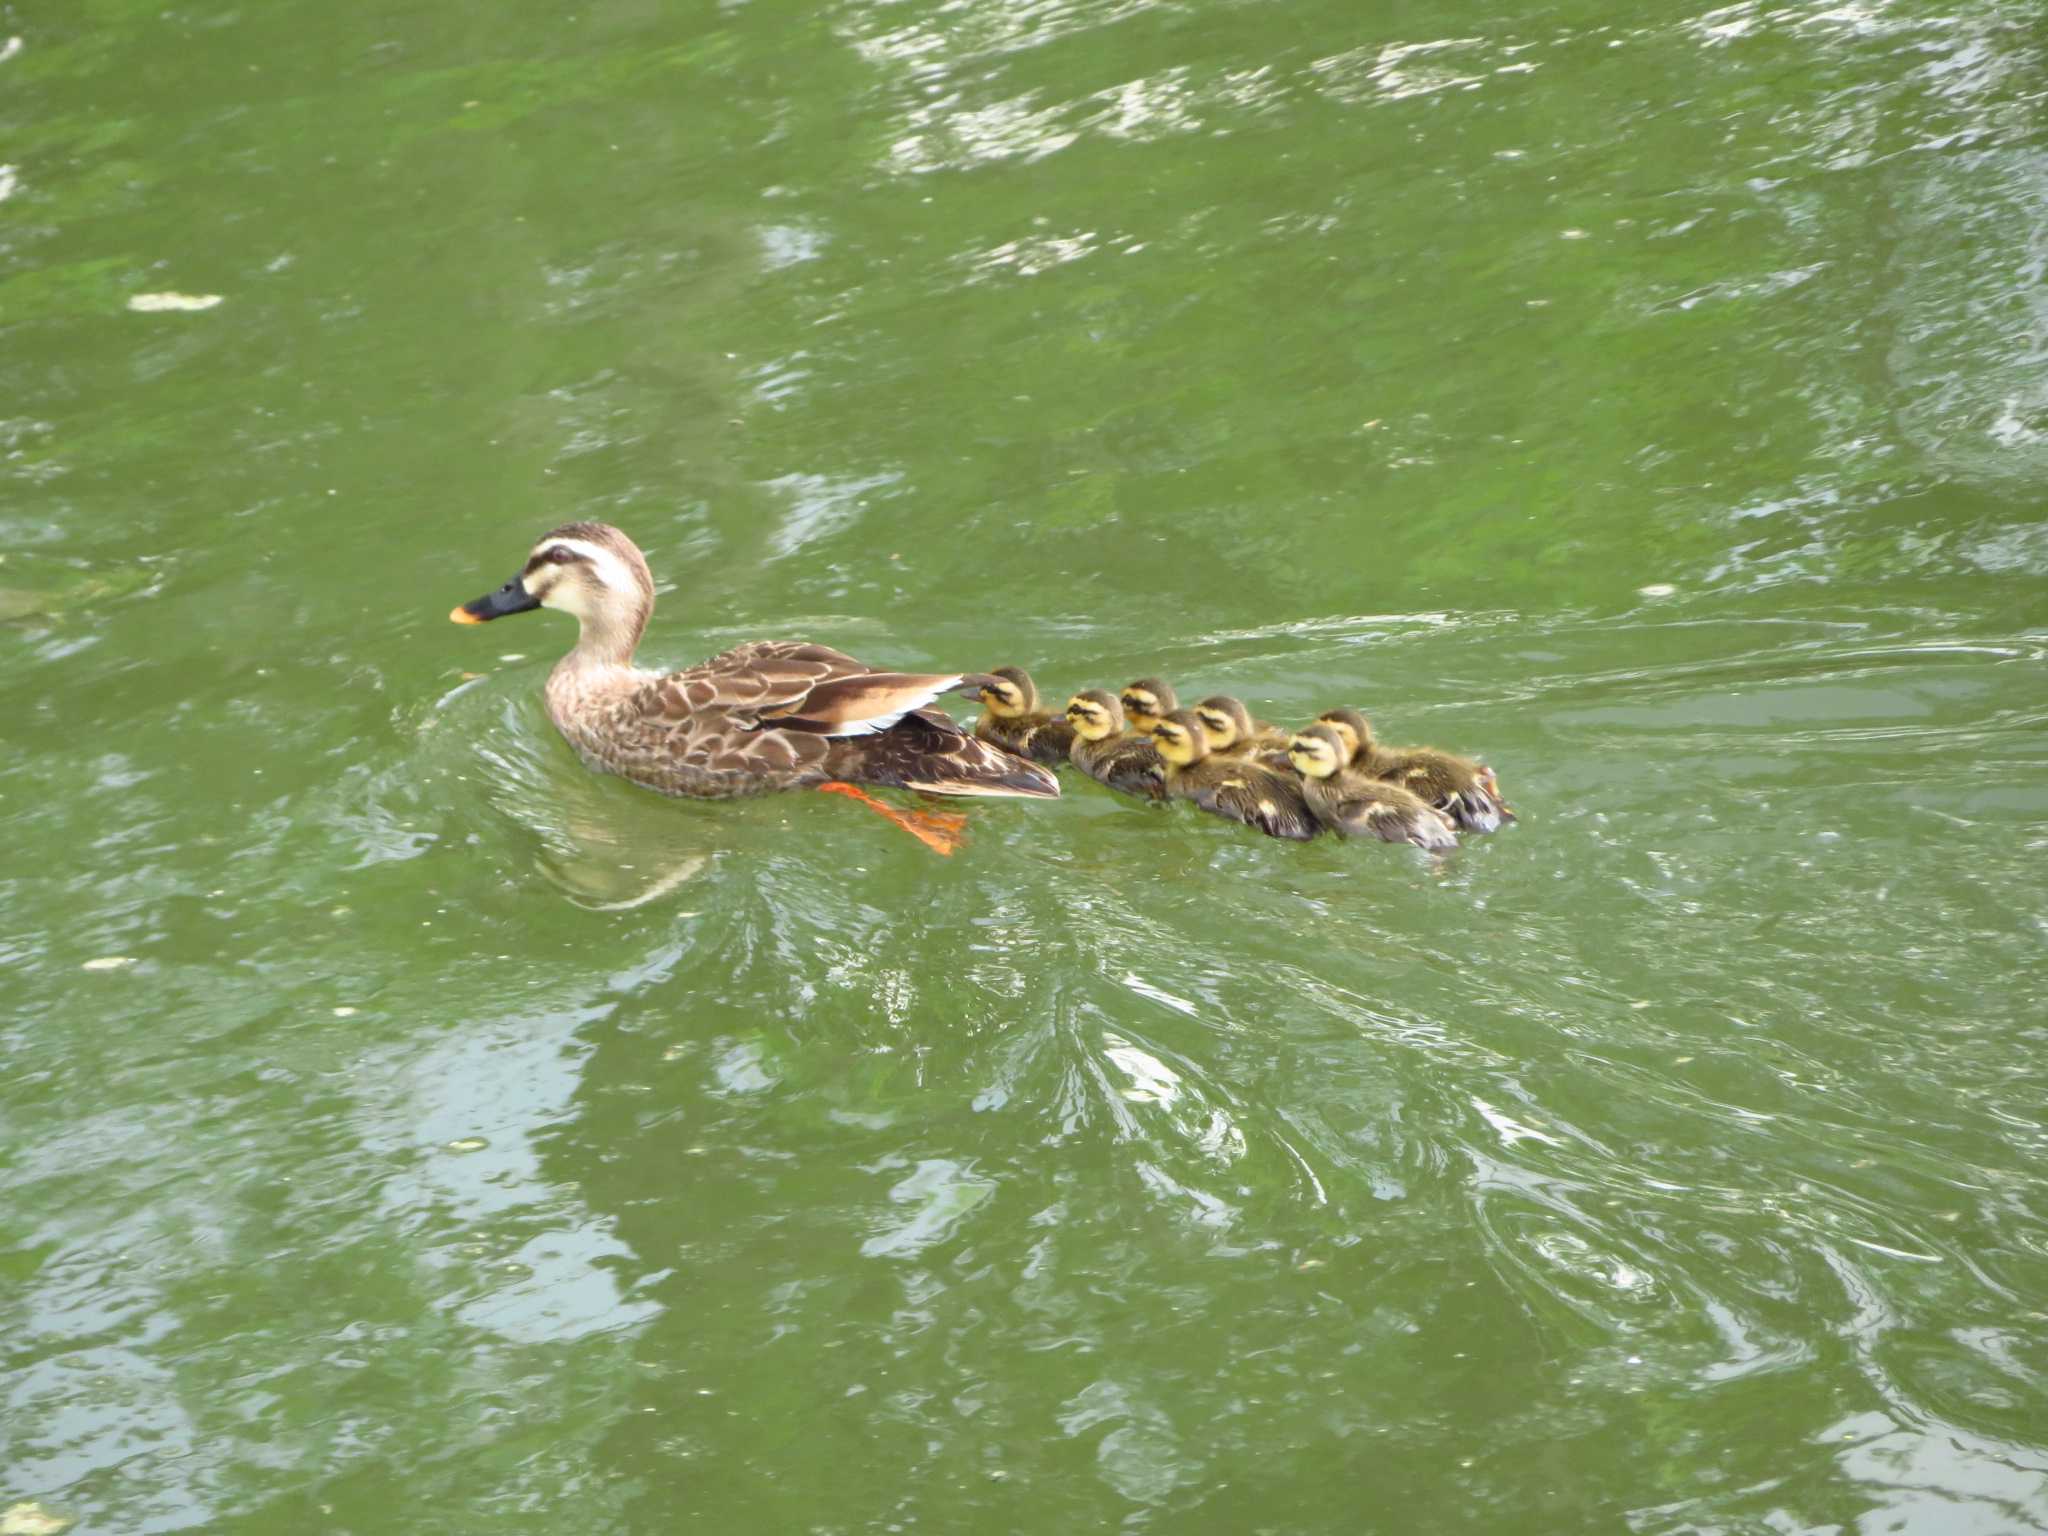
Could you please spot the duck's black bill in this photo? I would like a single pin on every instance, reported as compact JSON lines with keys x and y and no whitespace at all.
{"x":510,"y":598}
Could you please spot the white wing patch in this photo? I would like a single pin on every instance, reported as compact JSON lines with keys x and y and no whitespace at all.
{"x":877,"y":724}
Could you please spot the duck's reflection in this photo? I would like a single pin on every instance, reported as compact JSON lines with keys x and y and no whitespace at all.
{"x":598,"y":844}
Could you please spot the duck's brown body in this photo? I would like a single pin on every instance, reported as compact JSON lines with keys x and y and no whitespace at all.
{"x":770,"y":715}
{"x":1239,"y":789}
{"x":1042,"y":738}
{"x":1125,"y":763}
{"x":1352,"y":803}
{"x":1235,"y":788}
{"x":754,"y":720}
{"x":1462,"y":789}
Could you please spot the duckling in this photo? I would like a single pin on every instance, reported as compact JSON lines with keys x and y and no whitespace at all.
{"x":1354,"y":804}
{"x":1233,"y":732}
{"x":1234,"y":787}
{"x":1466,"y":791}
{"x":1012,"y":720}
{"x":1106,"y":753}
{"x":1146,"y":702}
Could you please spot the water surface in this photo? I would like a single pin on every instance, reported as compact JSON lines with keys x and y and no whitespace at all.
{"x":447,"y":1140}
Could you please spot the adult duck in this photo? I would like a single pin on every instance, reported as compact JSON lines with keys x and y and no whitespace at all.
{"x":767,"y":715}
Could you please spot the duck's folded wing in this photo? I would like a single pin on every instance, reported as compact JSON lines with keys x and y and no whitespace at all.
{"x":796,"y":686}
{"x":1396,"y":818}
{"x":1136,"y":768}
{"x":862,"y":704}
{"x":927,"y":751}
{"x":1262,"y":800}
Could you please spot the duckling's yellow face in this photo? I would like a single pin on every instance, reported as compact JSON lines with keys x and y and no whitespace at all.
{"x":1005,"y":700}
{"x":1314,"y":753}
{"x":1218,"y":727}
{"x":1175,"y":742}
{"x":1351,"y":727}
{"x":1091,"y":720}
{"x":1142,"y":709}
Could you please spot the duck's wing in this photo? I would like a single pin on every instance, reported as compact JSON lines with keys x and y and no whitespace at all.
{"x":1048,"y":741}
{"x":1462,"y":789}
{"x":795,"y":686}
{"x":1262,"y":800}
{"x":1391,"y":814}
{"x":925,"y":750}
{"x":1135,"y":768}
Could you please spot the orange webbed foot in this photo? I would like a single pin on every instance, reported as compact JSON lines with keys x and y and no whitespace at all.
{"x":940,"y":831}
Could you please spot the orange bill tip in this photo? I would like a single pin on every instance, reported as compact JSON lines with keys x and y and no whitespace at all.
{"x":459,"y":615}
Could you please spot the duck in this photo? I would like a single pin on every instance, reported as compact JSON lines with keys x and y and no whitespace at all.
{"x":1464,"y":790}
{"x":1012,"y":720}
{"x":767,"y":715}
{"x":1236,"y":788}
{"x":1352,"y":803}
{"x":1233,"y":732}
{"x":1107,"y":753}
{"x":1146,"y":702}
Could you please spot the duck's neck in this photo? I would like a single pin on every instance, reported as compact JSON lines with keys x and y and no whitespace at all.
{"x":598,"y":669}
{"x":606,"y":641}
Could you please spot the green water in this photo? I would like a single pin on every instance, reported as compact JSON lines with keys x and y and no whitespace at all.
{"x":472,"y":1145}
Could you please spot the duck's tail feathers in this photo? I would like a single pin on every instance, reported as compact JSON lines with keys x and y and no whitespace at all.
{"x":928,"y":752}
{"x":1423,"y":825}
{"x":1479,"y":808}
{"x":1492,"y":787}
{"x":1000,"y":775}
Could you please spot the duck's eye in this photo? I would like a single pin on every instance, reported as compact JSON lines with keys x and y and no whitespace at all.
{"x":559,"y":555}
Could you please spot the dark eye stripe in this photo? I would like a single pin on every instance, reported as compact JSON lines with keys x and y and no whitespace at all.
{"x":553,"y":555}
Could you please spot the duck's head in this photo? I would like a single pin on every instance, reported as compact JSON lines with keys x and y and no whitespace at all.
{"x":1318,"y":751}
{"x":1352,"y":729}
{"x":1225,"y":720}
{"x":1146,"y":702}
{"x":1095,"y":715}
{"x":1009,"y":693}
{"x":1180,"y":739}
{"x":589,"y":569}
